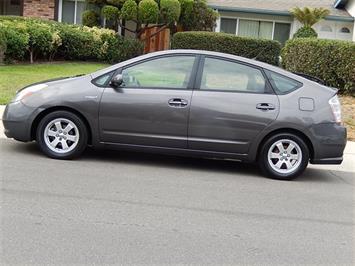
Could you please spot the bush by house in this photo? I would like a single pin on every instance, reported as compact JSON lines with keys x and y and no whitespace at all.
{"x":28,"y":38}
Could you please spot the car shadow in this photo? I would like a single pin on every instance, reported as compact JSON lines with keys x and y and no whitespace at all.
{"x":190,"y":163}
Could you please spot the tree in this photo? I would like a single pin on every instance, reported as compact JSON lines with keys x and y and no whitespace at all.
{"x":145,"y":13}
{"x":309,"y":16}
{"x":197,"y":16}
{"x":187,"y":14}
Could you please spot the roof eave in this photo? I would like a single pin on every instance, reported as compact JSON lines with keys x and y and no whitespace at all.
{"x":274,"y":12}
{"x":340,"y":3}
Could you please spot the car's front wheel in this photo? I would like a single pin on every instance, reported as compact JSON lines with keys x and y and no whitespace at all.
{"x":284,"y":156}
{"x":62,"y":135}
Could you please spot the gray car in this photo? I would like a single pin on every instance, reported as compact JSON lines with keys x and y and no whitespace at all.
{"x":186,"y":102}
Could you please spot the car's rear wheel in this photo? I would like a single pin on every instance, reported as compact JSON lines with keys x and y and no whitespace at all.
{"x":284,"y":156}
{"x":62,"y":135}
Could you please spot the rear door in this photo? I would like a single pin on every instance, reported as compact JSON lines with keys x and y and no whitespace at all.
{"x":152,"y":106}
{"x":232,"y":104}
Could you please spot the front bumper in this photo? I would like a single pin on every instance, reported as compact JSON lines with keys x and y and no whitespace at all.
{"x":329,"y":141}
{"x":17,"y":120}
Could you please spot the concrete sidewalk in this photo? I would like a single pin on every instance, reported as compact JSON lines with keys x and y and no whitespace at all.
{"x":348,"y":164}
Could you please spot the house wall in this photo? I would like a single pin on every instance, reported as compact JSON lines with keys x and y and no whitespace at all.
{"x":39,"y":8}
{"x":329,"y":29}
{"x":350,"y":7}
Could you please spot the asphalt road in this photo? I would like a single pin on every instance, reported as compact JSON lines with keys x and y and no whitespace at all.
{"x":115,"y":207}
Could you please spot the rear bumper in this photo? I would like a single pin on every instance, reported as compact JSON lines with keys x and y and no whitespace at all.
{"x":329,"y":141}
{"x":17,"y":119}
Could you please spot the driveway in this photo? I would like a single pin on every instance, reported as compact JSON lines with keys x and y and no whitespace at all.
{"x":119,"y":207}
{"x":111,"y":207}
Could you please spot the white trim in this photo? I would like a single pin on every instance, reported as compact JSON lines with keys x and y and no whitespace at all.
{"x":75,"y":10}
{"x":273,"y":30}
{"x":60,"y":10}
{"x":218,"y":23}
{"x":237,"y":27}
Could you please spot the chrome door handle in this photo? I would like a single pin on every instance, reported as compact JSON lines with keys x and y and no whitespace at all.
{"x":265,"y":106}
{"x":176,"y":102}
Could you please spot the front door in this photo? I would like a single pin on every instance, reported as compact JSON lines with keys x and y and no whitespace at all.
{"x":152,"y":106}
{"x":232,"y":105}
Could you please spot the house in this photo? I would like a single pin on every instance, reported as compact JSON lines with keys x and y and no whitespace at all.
{"x":271,"y":19}
{"x":268,"y":19}
{"x":69,"y":11}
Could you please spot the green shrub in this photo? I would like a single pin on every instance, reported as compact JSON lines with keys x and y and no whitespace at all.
{"x":110,"y":12}
{"x":263,"y":50}
{"x":123,"y":49}
{"x":90,"y":18}
{"x":129,"y":10}
{"x":330,"y":60}
{"x":2,"y":45}
{"x":305,"y":32}
{"x":40,"y":39}
{"x":170,"y":10}
{"x":148,"y":11}
{"x":50,"y":40}
{"x":16,"y":43}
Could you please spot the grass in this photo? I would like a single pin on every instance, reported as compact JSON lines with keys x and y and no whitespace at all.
{"x":14,"y":77}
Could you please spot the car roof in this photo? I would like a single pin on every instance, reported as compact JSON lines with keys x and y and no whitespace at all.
{"x":199,"y":52}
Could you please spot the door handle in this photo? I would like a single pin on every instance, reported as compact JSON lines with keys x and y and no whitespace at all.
{"x":177,"y":103}
{"x":265,"y":106}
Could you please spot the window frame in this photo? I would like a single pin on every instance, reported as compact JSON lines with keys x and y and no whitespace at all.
{"x":190,"y":84}
{"x":276,"y":91}
{"x":274,"y":22}
{"x":268,"y":87}
{"x":60,"y":11}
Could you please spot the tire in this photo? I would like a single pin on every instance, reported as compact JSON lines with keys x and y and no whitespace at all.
{"x":62,"y":135}
{"x":283,"y":156}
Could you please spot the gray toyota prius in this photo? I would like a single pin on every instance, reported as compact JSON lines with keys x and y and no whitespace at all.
{"x":186,"y":102}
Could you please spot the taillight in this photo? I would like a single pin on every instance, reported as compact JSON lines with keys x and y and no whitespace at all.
{"x":336,"y":108}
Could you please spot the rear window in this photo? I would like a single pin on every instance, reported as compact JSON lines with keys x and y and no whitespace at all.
{"x":282,"y":84}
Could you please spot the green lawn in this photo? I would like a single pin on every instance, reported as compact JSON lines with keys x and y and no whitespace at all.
{"x":14,"y":77}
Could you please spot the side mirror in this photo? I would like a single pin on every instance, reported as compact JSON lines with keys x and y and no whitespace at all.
{"x":116,"y":81}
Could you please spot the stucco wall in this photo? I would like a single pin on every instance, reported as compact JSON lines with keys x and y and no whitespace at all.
{"x":350,"y":7}
{"x":335,"y":26}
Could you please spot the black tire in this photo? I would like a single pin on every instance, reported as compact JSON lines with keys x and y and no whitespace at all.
{"x":80,"y":144}
{"x":268,"y":169}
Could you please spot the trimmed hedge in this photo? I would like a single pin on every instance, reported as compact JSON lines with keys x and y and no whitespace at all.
{"x":305,"y":32}
{"x":48,"y":40}
{"x":263,"y":50}
{"x":330,"y":60}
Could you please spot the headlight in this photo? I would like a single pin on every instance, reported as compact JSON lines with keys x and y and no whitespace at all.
{"x":28,"y":91}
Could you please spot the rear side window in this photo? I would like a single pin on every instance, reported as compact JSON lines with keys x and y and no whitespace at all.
{"x":282,"y":84}
{"x":222,"y":75}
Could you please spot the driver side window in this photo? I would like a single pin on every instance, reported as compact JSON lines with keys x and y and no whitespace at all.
{"x":166,"y":72}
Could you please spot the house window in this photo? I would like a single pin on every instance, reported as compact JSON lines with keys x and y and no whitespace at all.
{"x":282,"y":32}
{"x":257,"y":29}
{"x":72,"y":11}
{"x":344,"y":30}
{"x":326,"y":28}
{"x":228,"y":25}
{"x":11,"y":7}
